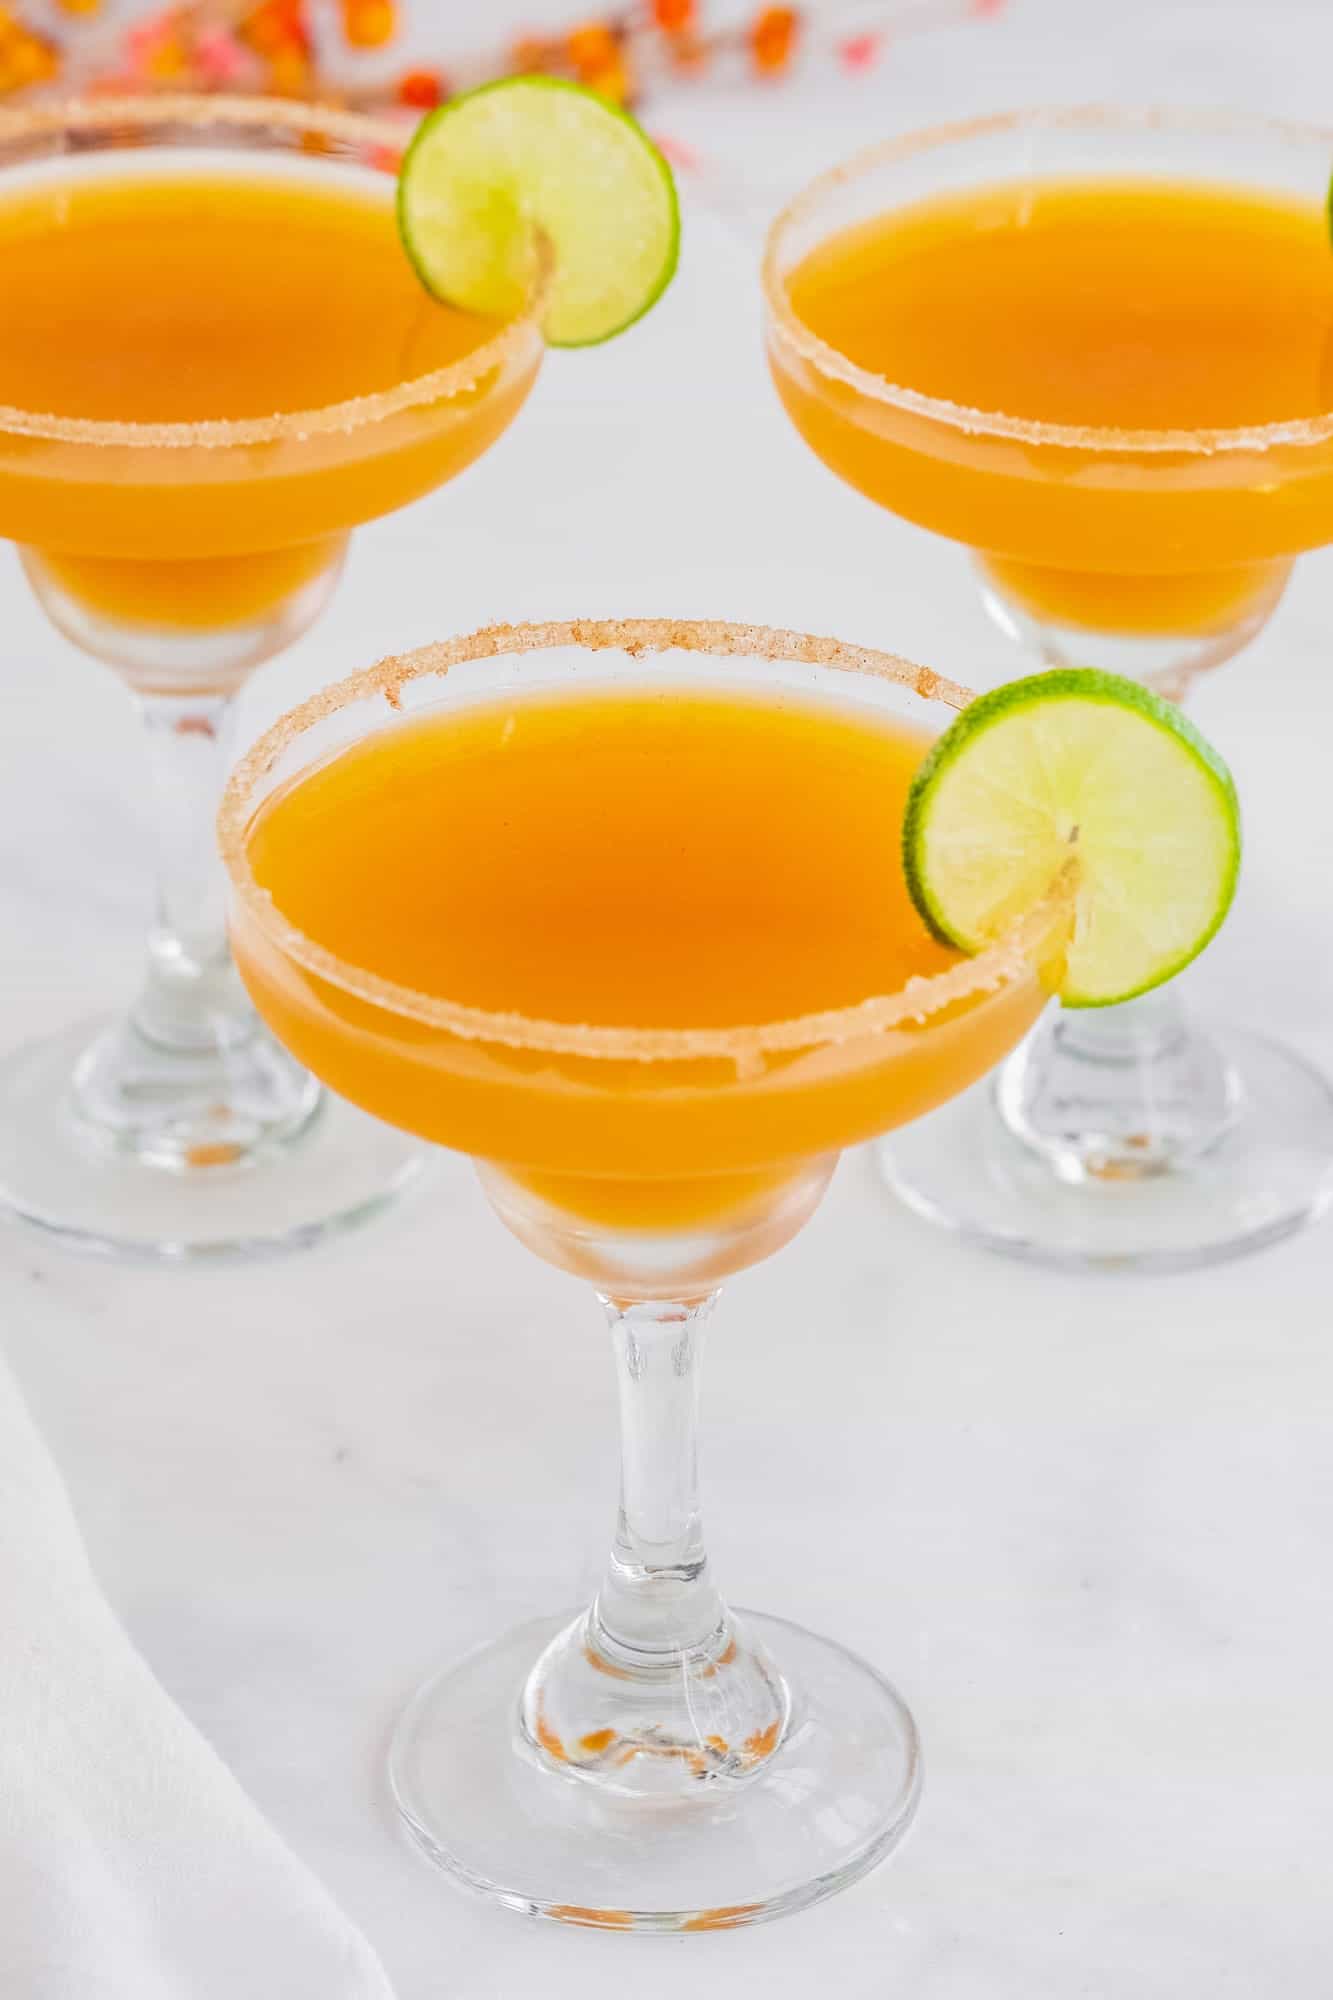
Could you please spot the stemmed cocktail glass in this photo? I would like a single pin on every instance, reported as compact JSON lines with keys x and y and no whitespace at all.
{"x":1154,"y":543}
{"x":216,"y":362}
{"x":618,"y":908}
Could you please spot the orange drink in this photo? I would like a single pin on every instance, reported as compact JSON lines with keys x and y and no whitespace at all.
{"x":210,"y":292}
{"x":758,"y":878}
{"x":1117,"y":304}
{"x":216,"y":360}
{"x":662,"y":874}
{"x":1095,"y":347}
{"x":618,"y":907}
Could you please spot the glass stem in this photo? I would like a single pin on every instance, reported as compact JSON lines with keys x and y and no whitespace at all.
{"x":1118,"y":1093}
{"x":657,"y":1686}
{"x":1142,"y":1030}
{"x":189,"y":1079}
{"x":192,"y":999}
{"x":657,"y":1599}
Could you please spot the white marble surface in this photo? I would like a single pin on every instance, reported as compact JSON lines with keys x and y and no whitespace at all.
{"x":1085,"y":1523}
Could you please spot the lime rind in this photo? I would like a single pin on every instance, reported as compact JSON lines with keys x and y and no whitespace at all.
{"x":493,"y":172}
{"x":993,"y":818}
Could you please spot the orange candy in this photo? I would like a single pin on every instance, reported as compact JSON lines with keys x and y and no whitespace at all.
{"x":289,"y":71}
{"x":422,"y":89}
{"x":598,"y":58}
{"x":275,"y":27}
{"x":369,"y":24}
{"x":25,"y":59}
{"x":169,"y":62}
{"x":773,"y":39}
{"x":593,"y":49}
{"x":689,"y":53}
{"x":529,"y":55}
{"x":614,"y":83}
{"x":597,"y":51}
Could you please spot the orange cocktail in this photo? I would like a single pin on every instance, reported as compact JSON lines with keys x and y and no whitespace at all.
{"x":226,"y":292}
{"x":680,"y":893}
{"x":618,"y":907}
{"x":758,"y":878}
{"x":215,"y":361}
{"x":1095,"y":347}
{"x":1113,"y":384}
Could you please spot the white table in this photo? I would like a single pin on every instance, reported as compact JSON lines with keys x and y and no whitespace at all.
{"x":1085,"y":1524}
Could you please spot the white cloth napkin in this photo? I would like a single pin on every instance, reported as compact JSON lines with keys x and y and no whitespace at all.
{"x":132,"y":1865}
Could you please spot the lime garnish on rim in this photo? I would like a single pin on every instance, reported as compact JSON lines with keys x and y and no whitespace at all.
{"x":1082,"y":766}
{"x":492,"y":173}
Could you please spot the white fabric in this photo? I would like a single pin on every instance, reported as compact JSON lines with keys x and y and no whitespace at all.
{"x":132,"y":1865}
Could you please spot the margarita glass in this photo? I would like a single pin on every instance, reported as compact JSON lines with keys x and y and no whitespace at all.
{"x":618,"y":908}
{"x":215,"y":362}
{"x":1095,"y":347}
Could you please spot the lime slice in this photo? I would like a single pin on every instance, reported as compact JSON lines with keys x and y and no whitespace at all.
{"x":1084,"y":766}
{"x":491,"y":173}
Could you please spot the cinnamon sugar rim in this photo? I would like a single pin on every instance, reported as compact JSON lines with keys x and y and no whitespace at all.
{"x":792,"y":333}
{"x":1010,"y":958}
{"x":238,"y":114}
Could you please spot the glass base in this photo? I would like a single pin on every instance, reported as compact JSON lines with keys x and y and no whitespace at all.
{"x":174,"y":660}
{"x":830,"y":1802}
{"x":1267,"y":1174}
{"x":1169,"y":664}
{"x":673,"y":1261}
{"x":114,"y":1145}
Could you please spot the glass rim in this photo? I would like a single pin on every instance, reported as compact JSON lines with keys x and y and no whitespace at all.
{"x":1012,"y":956}
{"x":792,"y":332}
{"x":92,"y":114}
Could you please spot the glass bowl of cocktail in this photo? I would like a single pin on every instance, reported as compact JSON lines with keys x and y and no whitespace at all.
{"x":216,"y":359}
{"x":652,"y":919}
{"x":1096,"y":348}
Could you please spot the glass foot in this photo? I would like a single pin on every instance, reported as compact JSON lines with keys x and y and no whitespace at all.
{"x":1268,"y":1172}
{"x":114,"y":1145}
{"x":751,"y":1839}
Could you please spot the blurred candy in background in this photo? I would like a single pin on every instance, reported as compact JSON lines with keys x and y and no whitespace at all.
{"x":414,"y":53}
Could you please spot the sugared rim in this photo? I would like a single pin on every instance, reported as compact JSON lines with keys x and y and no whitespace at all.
{"x":91,"y":115}
{"x":792,"y":333}
{"x":1011,"y":958}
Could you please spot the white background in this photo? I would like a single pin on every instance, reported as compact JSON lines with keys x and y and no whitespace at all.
{"x":1084,"y":1523}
